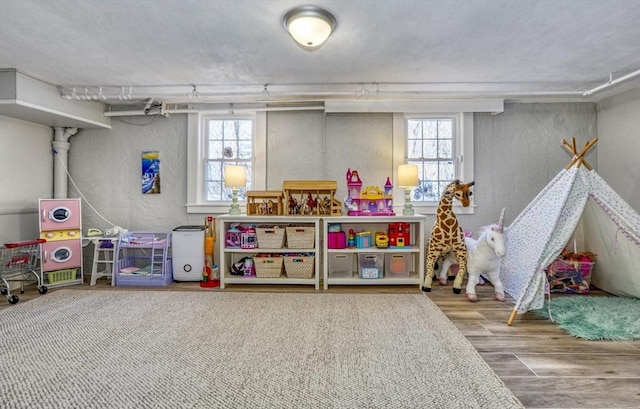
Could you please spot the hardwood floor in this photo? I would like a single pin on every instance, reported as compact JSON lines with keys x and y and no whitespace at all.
{"x":544,"y":366}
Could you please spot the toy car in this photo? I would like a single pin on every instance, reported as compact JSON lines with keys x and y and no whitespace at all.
{"x":382,"y":240}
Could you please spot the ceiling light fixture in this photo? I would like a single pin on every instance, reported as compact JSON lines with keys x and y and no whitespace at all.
{"x":309,"y":26}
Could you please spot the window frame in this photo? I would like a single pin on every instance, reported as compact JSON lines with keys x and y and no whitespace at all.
{"x":463,"y":155}
{"x":196,"y":159}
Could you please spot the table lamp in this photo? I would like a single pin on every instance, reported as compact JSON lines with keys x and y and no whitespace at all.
{"x":407,"y":179}
{"x":234,"y":177}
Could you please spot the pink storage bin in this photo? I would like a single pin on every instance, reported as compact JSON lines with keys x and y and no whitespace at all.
{"x":336,"y":240}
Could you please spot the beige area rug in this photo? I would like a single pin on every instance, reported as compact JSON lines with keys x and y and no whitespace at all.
{"x":158,"y":349}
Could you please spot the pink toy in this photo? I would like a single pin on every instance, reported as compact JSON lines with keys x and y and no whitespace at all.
{"x":372,"y":202}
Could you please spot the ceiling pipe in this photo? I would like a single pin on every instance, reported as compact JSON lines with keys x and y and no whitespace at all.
{"x":61,"y":146}
{"x":230,"y":109}
{"x":265,"y":92}
{"x":612,"y":82}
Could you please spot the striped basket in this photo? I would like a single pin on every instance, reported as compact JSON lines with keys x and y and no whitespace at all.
{"x":301,"y":237}
{"x":270,"y":237}
{"x":299,"y":267}
{"x":268,"y":267}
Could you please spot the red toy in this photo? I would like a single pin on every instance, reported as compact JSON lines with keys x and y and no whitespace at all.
{"x":399,"y":234}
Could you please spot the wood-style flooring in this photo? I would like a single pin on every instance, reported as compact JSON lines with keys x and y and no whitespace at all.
{"x":544,"y":366}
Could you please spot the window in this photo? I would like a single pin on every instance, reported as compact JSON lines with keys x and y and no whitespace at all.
{"x":431,"y":146}
{"x":228,"y":142}
{"x":441,"y":145}
{"x":218,"y":140}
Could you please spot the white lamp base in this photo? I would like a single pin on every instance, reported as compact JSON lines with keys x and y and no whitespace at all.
{"x":235,"y":207}
{"x":408,"y":210}
{"x":408,"y":207}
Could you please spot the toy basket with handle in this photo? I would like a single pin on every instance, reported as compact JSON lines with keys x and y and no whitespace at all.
{"x":301,"y":237}
{"x":299,"y":266}
{"x":270,"y":237}
{"x":268,"y":267}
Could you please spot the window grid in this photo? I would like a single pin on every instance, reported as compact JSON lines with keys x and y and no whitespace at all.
{"x":228,"y":142}
{"x":431,"y":146}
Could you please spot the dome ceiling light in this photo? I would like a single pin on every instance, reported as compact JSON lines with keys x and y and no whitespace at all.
{"x":309,"y":26}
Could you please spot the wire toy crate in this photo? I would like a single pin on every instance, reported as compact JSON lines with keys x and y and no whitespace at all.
{"x":18,"y":263}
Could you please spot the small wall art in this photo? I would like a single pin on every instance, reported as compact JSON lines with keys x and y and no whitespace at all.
{"x":150,"y":172}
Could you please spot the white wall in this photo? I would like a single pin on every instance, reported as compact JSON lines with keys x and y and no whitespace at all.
{"x":106,"y":167}
{"x":517,"y":153}
{"x":26,"y":175}
{"x":619,"y":144}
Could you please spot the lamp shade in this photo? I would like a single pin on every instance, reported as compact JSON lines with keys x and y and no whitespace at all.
{"x":407,"y":175}
{"x":235,"y":176}
{"x":309,"y":26}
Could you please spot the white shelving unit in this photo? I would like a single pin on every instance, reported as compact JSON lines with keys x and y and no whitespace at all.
{"x":230,"y":255}
{"x":415,"y":250}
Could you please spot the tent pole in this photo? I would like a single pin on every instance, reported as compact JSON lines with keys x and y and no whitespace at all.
{"x":578,"y":157}
{"x":512,"y":316}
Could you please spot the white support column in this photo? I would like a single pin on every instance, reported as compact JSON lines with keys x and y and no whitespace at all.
{"x":61,"y":160}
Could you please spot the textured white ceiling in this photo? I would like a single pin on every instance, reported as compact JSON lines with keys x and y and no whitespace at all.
{"x":471,"y":45}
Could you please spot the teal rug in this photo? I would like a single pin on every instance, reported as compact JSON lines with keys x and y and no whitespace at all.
{"x":596,"y":318}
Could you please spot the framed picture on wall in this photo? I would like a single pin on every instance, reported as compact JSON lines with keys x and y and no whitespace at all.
{"x":150,"y":172}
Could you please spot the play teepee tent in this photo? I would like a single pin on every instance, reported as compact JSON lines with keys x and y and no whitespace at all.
{"x":577,"y":208}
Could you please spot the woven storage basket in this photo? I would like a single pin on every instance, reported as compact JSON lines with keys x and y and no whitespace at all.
{"x":270,"y":237}
{"x":301,"y":237}
{"x":299,"y":267}
{"x":268,"y":267}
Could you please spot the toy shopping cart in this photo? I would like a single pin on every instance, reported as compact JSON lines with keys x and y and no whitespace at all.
{"x":18,"y":263}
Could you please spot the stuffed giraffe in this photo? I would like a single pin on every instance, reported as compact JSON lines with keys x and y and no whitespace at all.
{"x":447,"y":235}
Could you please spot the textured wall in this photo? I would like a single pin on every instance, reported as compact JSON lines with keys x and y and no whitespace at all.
{"x":619,"y":146}
{"x":295,"y":147}
{"x":519,"y":151}
{"x":312,"y":146}
{"x":361,"y":142}
{"x":106,"y":167}
{"x":26,"y":175}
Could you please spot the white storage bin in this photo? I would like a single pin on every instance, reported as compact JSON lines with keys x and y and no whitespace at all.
{"x":340,"y":265}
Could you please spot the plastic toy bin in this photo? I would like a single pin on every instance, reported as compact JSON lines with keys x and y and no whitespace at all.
{"x":397,"y":265}
{"x":566,"y":276}
{"x":371,"y":265}
{"x":62,"y":276}
{"x":340,"y":265}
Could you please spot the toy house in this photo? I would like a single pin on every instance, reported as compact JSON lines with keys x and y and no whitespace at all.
{"x":373,"y":201}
